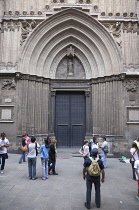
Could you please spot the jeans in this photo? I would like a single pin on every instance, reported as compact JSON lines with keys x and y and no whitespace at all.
{"x":44,"y":162}
{"x":2,"y":157}
{"x":22,"y":157}
{"x":51,"y":165}
{"x":133,"y":170}
{"x":96,"y":181}
{"x":32,"y":167}
{"x":104,"y":158}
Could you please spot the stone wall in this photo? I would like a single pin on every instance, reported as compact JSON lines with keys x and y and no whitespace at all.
{"x":126,"y":8}
{"x":104,"y":34}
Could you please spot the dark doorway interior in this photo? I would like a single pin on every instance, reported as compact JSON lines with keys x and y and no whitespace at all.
{"x":70,"y":118}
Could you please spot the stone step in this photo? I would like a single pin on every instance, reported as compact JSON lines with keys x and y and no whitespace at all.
{"x":78,"y":155}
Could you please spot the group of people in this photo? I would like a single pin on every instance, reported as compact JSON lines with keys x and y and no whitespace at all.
{"x":95,"y":156}
{"x":95,"y":159}
{"x":134,"y":160}
{"x":47,"y":155}
{"x":88,"y":146}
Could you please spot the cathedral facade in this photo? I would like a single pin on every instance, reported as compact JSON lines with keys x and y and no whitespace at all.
{"x":70,"y":69}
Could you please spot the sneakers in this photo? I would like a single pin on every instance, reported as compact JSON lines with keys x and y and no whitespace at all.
{"x":35,"y":178}
{"x":55,"y":173}
{"x":2,"y":172}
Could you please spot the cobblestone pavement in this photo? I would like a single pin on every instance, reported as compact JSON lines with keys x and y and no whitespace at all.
{"x":67,"y":190}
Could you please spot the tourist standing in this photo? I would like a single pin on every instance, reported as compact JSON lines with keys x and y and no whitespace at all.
{"x":104,"y":151}
{"x":32,"y":154}
{"x":4,"y":143}
{"x":27,"y":139}
{"x":44,"y":154}
{"x":52,"y":156}
{"x":136,"y":166}
{"x":22,"y":158}
{"x":90,"y":179}
{"x":84,"y":150}
{"x":134,"y":151}
{"x":96,"y":145}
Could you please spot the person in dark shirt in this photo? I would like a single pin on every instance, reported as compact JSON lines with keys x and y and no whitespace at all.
{"x":93,"y":179}
{"x":52,"y":156}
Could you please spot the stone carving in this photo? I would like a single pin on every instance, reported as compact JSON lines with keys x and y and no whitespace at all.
{"x":130,"y":26}
{"x":115,"y":30}
{"x":131,"y":85}
{"x":70,"y":52}
{"x":70,"y":67}
{"x":27,"y":28}
{"x":9,"y":66}
{"x":10,"y":25}
{"x":87,"y":93}
{"x":8,"y":84}
{"x":53,"y":93}
{"x":70,"y":55}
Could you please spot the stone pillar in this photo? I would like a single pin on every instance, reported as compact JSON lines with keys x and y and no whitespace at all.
{"x":52,"y":114}
{"x":88,"y":115}
{"x":1,"y":10}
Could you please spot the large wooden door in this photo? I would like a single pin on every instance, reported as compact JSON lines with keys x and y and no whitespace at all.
{"x":70,"y":118}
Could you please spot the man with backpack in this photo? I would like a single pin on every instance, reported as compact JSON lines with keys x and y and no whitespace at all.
{"x":93,"y":166}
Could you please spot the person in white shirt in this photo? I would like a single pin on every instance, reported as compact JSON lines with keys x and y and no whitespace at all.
{"x":104,"y":151}
{"x":136,"y":166}
{"x":96,"y":145}
{"x":32,"y":154}
{"x":4,"y":143}
{"x":134,"y":156}
{"x":84,"y":150}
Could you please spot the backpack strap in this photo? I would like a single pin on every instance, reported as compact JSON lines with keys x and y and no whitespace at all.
{"x":96,"y":159}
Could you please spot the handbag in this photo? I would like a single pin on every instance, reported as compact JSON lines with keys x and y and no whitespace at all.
{"x":105,"y":149}
{"x":24,"y":148}
{"x":6,"y":156}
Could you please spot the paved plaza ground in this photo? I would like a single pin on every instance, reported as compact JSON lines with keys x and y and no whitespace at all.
{"x":67,"y":190}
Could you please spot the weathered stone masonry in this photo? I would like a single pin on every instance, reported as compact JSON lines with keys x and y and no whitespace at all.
{"x":37,"y":39}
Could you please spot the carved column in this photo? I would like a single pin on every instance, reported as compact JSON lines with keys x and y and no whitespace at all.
{"x":88,"y":114}
{"x":1,"y":9}
{"x":52,"y":113}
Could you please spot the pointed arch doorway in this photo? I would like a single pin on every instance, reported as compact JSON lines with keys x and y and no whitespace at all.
{"x":70,"y":123}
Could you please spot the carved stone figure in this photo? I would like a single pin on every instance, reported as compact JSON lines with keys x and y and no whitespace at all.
{"x":9,"y":84}
{"x":131,"y":85}
{"x":70,"y":67}
{"x":70,"y":52}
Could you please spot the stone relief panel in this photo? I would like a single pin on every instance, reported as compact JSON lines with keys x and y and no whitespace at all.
{"x":26,"y":28}
{"x":70,"y":67}
{"x":131,"y":85}
{"x":8,"y":84}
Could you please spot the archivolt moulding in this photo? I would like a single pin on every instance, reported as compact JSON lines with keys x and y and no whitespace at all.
{"x":46,"y":46}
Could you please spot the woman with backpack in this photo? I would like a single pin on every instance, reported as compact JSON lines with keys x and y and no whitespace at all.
{"x":44,"y":154}
{"x":134,"y":151}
